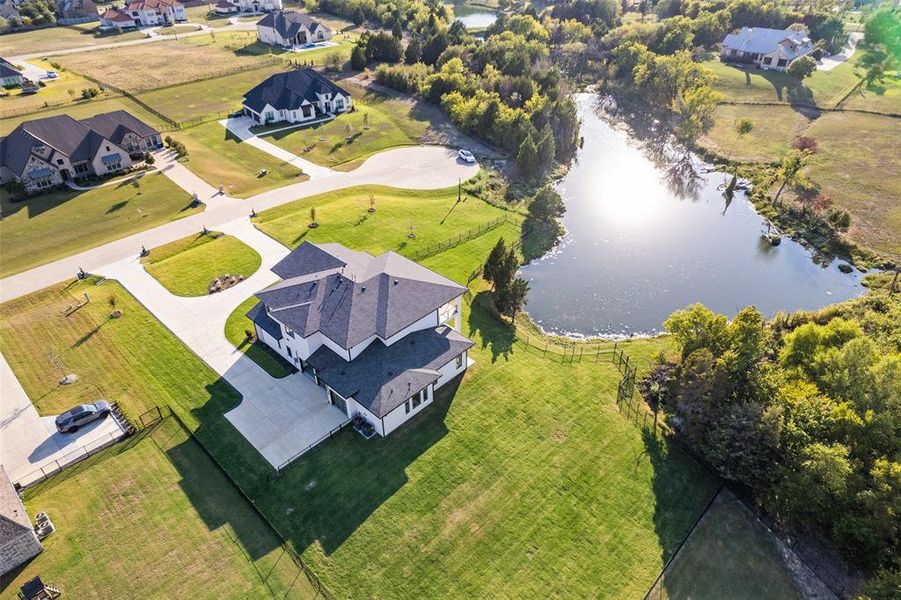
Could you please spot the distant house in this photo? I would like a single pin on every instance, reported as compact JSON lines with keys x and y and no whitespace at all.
{"x":46,"y":152}
{"x":379,"y":333}
{"x":766,"y":48}
{"x":144,"y":13}
{"x":288,"y":28}
{"x":18,"y":541}
{"x":10,"y":76}
{"x":296,"y":97}
{"x":225,"y":7}
{"x":76,"y":11}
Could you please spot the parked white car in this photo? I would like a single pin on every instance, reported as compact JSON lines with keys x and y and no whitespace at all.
{"x":466,"y":156}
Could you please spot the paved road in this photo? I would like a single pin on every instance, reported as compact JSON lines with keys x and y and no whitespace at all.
{"x":416,"y":167}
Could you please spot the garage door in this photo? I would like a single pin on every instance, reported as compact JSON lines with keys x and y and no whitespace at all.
{"x":338,"y":401}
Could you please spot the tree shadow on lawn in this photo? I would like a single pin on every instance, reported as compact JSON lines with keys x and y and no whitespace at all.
{"x":496,"y":336}
{"x":325,"y":496}
{"x":682,"y":488}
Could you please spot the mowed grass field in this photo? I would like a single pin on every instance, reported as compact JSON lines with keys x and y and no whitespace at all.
{"x":378,"y":122}
{"x":155,"y":514}
{"x":343,"y":216}
{"x":774,"y":129}
{"x":52,"y":39}
{"x":219,"y":158}
{"x":49,"y":226}
{"x":146,"y":67}
{"x":186,"y":267}
{"x":729,"y":555}
{"x":244,"y":43}
{"x":236,"y":328}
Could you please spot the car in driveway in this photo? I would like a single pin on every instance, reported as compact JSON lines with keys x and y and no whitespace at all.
{"x":466,"y":156}
{"x":75,"y":417}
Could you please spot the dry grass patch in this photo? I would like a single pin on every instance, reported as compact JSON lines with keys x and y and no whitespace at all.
{"x":150,"y":66}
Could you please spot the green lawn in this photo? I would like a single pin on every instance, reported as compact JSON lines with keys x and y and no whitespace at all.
{"x":774,"y":129}
{"x":245,"y":43}
{"x":186,"y":267}
{"x":343,"y":216}
{"x":208,"y":97}
{"x":219,"y":158}
{"x":52,"y":39}
{"x":156,"y":515}
{"x":236,"y":328}
{"x":49,"y":226}
{"x":729,"y":555}
{"x":391,"y":121}
{"x":64,"y":90}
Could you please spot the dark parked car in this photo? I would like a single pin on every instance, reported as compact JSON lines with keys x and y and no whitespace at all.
{"x":72,"y":419}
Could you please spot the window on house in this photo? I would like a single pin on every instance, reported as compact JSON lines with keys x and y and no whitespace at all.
{"x":288,"y":348}
{"x":43,"y":181}
{"x":107,"y":149}
{"x":782,"y":62}
{"x":114,"y":166}
{"x":81,"y":168}
{"x":59,"y":161}
{"x":460,"y":361}
{"x":339,"y":104}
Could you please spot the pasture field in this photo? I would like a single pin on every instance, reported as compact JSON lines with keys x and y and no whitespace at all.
{"x":85,"y":108}
{"x":60,"y":223}
{"x":186,"y":267}
{"x":774,"y":129}
{"x":154,"y":513}
{"x":219,"y":158}
{"x":377,"y":122}
{"x":244,"y":43}
{"x":162,"y":64}
{"x":54,"y":39}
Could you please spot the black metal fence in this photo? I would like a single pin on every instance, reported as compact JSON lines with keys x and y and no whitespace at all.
{"x":469,"y":234}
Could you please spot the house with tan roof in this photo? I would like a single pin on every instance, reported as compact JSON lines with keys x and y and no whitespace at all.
{"x":379,"y":333}
{"x":144,"y":13}
{"x":226,"y":7}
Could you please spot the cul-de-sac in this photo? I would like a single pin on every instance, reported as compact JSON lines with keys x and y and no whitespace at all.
{"x":415,"y":299}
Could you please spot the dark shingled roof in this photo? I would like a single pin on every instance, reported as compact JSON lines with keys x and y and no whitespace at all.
{"x":8,"y":70}
{"x":289,"y":90}
{"x":258,"y":315}
{"x":79,"y":140}
{"x":356,"y":296}
{"x":382,"y":377}
{"x":288,"y":22}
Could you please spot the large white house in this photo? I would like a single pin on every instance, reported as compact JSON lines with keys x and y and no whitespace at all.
{"x":296,"y":97}
{"x":291,"y":29}
{"x":144,"y":13}
{"x":766,"y":48}
{"x":379,"y":333}
{"x":226,"y":7}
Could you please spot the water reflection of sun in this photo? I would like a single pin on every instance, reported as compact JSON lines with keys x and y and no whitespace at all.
{"x":636,"y":200}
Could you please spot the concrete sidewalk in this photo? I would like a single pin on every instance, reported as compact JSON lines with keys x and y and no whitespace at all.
{"x":240,"y":127}
{"x":280,"y":417}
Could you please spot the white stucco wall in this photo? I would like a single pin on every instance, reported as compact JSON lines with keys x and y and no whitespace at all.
{"x":450,"y":370}
{"x":399,"y":415}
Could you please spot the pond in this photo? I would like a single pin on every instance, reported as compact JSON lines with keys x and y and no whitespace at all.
{"x":474,"y":17}
{"x":649,"y":232}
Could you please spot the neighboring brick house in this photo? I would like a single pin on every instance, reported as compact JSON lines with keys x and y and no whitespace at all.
{"x":145,"y":13}
{"x":225,"y":7}
{"x":18,"y":542}
{"x":379,"y":333}
{"x":46,"y":152}
{"x":76,"y":11}
{"x":10,"y":76}
{"x":296,"y":97}
{"x":290,"y":28}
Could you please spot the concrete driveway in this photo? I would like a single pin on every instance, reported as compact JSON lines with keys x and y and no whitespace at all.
{"x":827,"y":63}
{"x":280,"y":417}
{"x":30,"y":442}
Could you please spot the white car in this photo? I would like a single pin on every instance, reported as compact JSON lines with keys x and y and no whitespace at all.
{"x":466,"y":156}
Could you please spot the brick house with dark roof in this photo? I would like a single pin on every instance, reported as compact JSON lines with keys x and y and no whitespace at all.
{"x":289,"y":28}
{"x":379,"y":333}
{"x":44,"y":153}
{"x":18,"y":542}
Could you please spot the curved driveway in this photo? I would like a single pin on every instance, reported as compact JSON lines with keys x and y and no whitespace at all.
{"x":415,"y":167}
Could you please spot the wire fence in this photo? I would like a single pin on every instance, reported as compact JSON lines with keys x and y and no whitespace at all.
{"x":465,"y":236}
{"x":281,"y":468}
